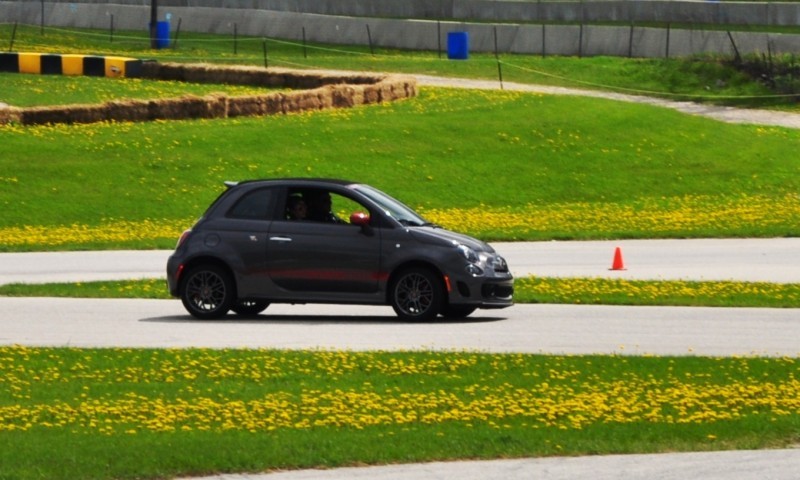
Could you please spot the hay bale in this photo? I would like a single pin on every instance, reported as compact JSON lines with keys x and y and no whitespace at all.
{"x":151,"y":70}
{"x":63,"y":114}
{"x":325,"y":97}
{"x":344,"y":96}
{"x":127,"y":111}
{"x":9,"y":115}
{"x":246,"y":105}
{"x":217,"y":105}
{"x":371,"y":94}
{"x":174,"y":108}
{"x":86,"y":113}
{"x":275,"y":103}
{"x":315,"y":90}
{"x":172,"y":71}
{"x":186,"y":107}
{"x":302,"y":101}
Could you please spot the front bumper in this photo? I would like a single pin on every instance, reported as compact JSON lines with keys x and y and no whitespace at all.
{"x":482,"y":292}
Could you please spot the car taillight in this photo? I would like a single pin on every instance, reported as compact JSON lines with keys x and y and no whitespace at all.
{"x":184,"y":237}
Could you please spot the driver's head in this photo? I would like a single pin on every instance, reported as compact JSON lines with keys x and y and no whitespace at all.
{"x":318,"y":200}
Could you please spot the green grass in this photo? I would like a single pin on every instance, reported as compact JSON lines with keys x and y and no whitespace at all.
{"x":503,"y":165}
{"x":28,"y":90}
{"x":616,"y":170}
{"x":69,"y":413}
{"x":526,"y":290}
{"x":154,"y":288}
{"x":663,"y":293}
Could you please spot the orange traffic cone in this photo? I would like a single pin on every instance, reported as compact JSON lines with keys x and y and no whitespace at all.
{"x":617,"y":265}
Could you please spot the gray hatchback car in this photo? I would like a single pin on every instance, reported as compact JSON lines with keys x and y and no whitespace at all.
{"x":330,"y":241}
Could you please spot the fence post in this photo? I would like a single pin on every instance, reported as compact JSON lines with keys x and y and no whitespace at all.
{"x":153,"y":24}
{"x":544,"y":42}
{"x":630,"y":42}
{"x":369,"y":39}
{"x":668,"y":31}
{"x":580,"y":37}
{"x":13,"y":36}
{"x":305,"y":52}
{"x":735,"y":49}
{"x":439,"y":37}
{"x":497,"y":58}
{"x":177,"y":33}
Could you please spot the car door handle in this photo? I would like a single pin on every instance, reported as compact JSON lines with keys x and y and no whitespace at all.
{"x":280,"y":239}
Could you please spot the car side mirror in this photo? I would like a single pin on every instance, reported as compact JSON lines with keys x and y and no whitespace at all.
{"x":362,"y":220}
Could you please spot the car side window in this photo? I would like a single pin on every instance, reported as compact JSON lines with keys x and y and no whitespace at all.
{"x":255,"y":205}
{"x":327,"y":206}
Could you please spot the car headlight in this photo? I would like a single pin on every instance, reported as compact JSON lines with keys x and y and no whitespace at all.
{"x":468,"y":253}
{"x":499,"y":264}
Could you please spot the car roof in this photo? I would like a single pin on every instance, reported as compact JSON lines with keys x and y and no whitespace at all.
{"x":292,"y":181}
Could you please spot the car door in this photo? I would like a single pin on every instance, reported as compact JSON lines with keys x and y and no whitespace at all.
{"x":328,"y":256}
{"x":243,"y":232}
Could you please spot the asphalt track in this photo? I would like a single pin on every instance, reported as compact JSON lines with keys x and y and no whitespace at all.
{"x":534,"y":328}
{"x":752,"y":260}
{"x":716,"y":112}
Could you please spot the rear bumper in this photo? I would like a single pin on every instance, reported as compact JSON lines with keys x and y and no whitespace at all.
{"x":174,"y":269}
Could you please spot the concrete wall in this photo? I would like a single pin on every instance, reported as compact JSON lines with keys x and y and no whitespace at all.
{"x":569,"y":40}
{"x":744,"y":13}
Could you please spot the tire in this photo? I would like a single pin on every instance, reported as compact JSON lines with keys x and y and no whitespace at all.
{"x":458,"y":311}
{"x":250,"y":307}
{"x":417,"y":294}
{"x":208,"y":292}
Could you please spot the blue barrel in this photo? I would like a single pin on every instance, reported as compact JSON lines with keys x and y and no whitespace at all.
{"x":458,"y":45}
{"x":162,"y":34}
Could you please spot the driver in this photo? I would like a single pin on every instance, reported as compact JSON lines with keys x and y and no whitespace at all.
{"x":319,"y":207}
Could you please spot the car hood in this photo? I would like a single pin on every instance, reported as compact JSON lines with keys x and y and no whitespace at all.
{"x":440,"y":236}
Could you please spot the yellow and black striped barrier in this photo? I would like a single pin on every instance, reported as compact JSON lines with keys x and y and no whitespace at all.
{"x":70,"y":64}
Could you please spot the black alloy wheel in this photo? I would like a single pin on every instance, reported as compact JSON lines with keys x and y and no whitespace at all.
{"x":417,"y":294}
{"x":208,"y":292}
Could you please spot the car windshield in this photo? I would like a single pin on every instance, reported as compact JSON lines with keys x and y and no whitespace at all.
{"x":392,"y":207}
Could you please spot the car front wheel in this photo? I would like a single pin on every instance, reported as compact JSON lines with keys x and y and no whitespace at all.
{"x":208,"y":292}
{"x":417,"y":294}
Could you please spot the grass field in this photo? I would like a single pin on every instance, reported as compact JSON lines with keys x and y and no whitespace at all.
{"x":499,"y":165}
{"x":498,"y":171}
{"x":504,"y":165}
{"x":119,"y":413}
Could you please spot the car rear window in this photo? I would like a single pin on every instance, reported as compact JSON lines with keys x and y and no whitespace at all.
{"x":256,"y":205}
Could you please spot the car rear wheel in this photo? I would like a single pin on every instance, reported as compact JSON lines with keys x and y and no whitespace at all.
{"x":417,"y":294}
{"x":208,"y":292}
{"x":250,"y":307}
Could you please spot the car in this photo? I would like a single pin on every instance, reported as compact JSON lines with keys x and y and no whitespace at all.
{"x":353,"y":244}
